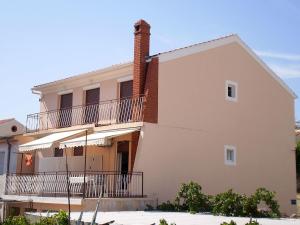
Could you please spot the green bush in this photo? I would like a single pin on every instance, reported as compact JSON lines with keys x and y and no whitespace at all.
{"x":16,"y":220}
{"x":164,"y":222}
{"x":47,"y":221}
{"x":233,"y":204}
{"x":252,"y":222}
{"x":230,"y":223}
{"x":167,"y":207}
{"x":262,"y":195}
{"x":60,"y":218}
{"x":190,"y":198}
{"x":228,"y":204}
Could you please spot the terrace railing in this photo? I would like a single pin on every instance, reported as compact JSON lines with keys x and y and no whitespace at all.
{"x":116,"y":111}
{"x":110,"y":184}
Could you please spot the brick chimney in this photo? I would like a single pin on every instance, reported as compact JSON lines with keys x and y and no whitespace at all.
{"x":141,"y":51}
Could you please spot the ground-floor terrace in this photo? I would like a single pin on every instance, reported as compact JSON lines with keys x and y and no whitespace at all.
{"x":83,"y":165}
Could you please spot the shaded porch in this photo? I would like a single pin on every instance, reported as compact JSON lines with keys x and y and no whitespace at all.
{"x":94,"y":163}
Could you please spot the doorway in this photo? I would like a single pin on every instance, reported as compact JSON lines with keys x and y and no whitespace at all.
{"x":65,"y":112}
{"x":125,"y":111}
{"x":123,"y":157}
{"x":92,"y":99}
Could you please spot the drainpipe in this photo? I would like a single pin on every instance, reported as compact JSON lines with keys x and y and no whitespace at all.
{"x":8,"y":155}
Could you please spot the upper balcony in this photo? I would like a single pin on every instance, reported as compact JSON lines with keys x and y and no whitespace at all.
{"x":124,"y":110}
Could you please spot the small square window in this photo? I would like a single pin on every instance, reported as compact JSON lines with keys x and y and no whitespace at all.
{"x":231,"y":90}
{"x":78,"y":151}
{"x":230,"y":155}
{"x":58,"y":152}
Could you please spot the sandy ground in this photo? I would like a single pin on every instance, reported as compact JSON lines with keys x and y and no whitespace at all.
{"x":147,"y":218}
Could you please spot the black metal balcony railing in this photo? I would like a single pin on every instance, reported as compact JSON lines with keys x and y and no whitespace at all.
{"x":105,"y":113}
{"x":109,"y":184}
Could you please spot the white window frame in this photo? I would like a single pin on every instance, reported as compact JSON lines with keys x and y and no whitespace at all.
{"x":92,"y":86}
{"x":229,"y":162}
{"x":126,"y":78}
{"x":235,"y":85}
{"x":64,"y":92}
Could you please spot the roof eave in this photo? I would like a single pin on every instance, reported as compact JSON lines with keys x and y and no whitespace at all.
{"x":80,"y":76}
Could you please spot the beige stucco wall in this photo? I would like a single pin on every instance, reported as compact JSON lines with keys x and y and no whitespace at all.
{"x":195,"y":122}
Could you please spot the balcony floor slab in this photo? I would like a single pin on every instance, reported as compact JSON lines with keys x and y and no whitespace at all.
{"x":45,"y":200}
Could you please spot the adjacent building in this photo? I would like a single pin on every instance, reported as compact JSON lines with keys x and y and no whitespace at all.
{"x":212,"y":112}
{"x":11,"y":136}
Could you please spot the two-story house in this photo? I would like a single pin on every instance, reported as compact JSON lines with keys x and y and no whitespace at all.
{"x":212,"y":112}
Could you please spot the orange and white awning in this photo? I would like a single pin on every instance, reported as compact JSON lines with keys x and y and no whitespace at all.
{"x":48,"y":141}
{"x":100,"y":138}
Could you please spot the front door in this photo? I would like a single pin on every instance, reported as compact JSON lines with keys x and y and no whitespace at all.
{"x":123,"y":157}
{"x":126,"y":101}
{"x":65,"y":113}
{"x":92,"y":98}
{"x":122,"y":166}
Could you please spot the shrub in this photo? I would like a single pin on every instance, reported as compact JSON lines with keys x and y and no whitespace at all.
{"x":149,"y":207}
{"x":16,"y":220}
{"x":228,"y":204}
{"x":230,"y":223}
{"x":190,"y":198}
{"x":60,"y":218}
{"x":252,"y":222}
{"x":262,"y":195}
{"x":47,"y":221}
{"x":166,"y":206}
{"x":164,"y":222}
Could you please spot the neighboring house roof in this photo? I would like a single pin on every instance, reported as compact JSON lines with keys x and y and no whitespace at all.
{"x":181,"y":52}
{"x":5,"y":121}
{"x":10,"y":127}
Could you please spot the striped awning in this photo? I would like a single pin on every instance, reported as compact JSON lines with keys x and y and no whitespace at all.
{"x":100,"y":138}
{"x":48,"y":141}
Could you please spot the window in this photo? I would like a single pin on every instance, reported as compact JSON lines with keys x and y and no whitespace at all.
{"x":230,"y":155}
{"x":231,"y":91}
{"x":78,"y":151}
{"x":58,"y":152}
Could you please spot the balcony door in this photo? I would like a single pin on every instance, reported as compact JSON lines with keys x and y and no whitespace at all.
{"x":92,"y":99}
{"x":123,"y":157}
{"x":65,"y":112}
{"x":125,"y":111}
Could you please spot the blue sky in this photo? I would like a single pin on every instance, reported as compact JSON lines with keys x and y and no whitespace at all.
{"x":43,"y":41}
